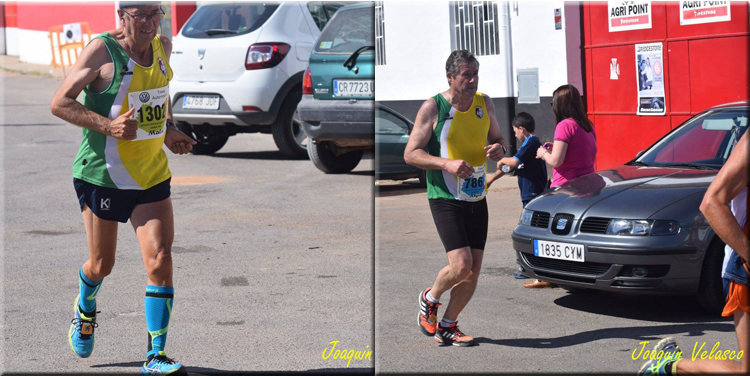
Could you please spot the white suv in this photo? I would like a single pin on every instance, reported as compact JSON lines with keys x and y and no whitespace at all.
{"x":239,"y":67}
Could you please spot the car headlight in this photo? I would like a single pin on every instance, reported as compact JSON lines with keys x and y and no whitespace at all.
{"x":641,"y":227}
{"x":526,"y":217}
{"x":663,"y":227}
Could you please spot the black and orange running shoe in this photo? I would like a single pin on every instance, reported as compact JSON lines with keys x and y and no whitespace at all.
{"x":453,"y":336}
{"x":427,"y":314}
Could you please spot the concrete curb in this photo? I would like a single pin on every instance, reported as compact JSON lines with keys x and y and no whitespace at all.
{"x":12,"y":65}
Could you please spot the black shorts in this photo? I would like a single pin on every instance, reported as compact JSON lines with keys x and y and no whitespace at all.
{"x":460,"y":223}
{"x":117,"y":204}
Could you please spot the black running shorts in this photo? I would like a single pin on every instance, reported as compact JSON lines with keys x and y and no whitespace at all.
{"x":460,"y":223}
{"x":117,"y":204}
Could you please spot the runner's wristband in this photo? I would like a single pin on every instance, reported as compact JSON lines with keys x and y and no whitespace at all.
{"x":170,"y":123}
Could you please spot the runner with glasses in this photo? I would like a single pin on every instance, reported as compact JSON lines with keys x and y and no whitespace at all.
{"x":121,"y":172}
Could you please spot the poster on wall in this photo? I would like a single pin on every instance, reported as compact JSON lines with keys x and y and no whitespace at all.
{"x":650,"y":72}
{"x":629,"y":15}
{"x":71,"y":33}
{"x":700,"y":12}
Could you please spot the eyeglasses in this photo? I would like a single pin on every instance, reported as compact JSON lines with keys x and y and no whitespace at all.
{"x":156,"y":16}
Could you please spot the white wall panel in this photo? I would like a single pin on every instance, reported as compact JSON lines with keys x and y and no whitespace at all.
{"x":536,"y":43}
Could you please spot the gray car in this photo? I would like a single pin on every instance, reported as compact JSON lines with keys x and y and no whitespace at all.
{"x":637,"y":228}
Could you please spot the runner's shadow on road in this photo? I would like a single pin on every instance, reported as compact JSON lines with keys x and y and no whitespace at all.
{"x":636,"y":333}
{"x":254,"y":155}
{"x":666,"y":309}
{"x":405,"y":188}
{"x":196,"y":371}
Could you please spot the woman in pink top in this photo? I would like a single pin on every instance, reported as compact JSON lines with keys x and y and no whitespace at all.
{"x":574,"y":151}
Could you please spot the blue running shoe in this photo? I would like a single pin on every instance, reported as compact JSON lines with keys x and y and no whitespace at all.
{"x":162,"y":365}
{"x":671,"y":353}
{"x":81,"y":333}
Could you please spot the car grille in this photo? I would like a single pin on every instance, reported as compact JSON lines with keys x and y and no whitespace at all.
{"x":595,"y":225}
{"x":568,"y":218}
{"x":540,"y":219}
{"x":590,"y":268}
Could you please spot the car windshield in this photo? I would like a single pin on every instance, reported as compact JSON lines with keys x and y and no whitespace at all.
{"x":349,"y":30}
{"x":225,"y":20}
{"x":704,"y":142}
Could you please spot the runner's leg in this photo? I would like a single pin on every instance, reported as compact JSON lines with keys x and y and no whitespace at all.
{"x":154,"y":226}
{"x":702,"y":366}
{"x":102,"y":241}
{"x":462,"y":292}
{"x":458,"y":268}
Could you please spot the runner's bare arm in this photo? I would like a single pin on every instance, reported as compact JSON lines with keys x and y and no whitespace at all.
{"x":65,"y":106}
{"x":496,"y":148}
{"x":730,"y":181}
{"x":176,"y":141}
{"x":167,"y":44}
{"x":414,"y":153}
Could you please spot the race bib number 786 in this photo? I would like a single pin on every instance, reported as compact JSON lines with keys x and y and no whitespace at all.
{"x":472,"y":188}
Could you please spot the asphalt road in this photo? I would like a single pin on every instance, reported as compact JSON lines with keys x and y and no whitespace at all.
{"x":517,"y":329}
{"x":273,"y":258}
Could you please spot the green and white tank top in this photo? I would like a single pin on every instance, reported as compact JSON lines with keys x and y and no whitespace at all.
{"x":141,"y":163}
{"x":459,"y":135}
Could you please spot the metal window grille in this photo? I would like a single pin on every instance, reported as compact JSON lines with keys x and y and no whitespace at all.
{"x":475,"y":24}
{"x":379,"y":34}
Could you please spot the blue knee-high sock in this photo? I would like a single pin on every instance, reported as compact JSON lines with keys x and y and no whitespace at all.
{"x":158,"y":311}
{"x":88,"y":289}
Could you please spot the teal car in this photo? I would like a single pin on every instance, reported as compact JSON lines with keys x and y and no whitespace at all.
{"x":392,"y":132}
{"x":337,"y":107}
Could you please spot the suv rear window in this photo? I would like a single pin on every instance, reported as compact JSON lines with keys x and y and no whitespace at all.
{"x":349,"y":30}
{"x":226,"y":20}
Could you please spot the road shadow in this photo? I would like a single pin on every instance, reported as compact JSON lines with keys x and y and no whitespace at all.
{"x":406,"y":187}
{"x":213,"y":371}
{"x":361,"y":173}
{"x":665,"y":309}
{"x":635,"y":333}
{"x":255,"y":155}
{"x":321,"y":371}
{"x":353,"y":173}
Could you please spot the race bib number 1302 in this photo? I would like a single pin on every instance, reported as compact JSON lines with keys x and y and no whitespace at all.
{"x":150,"y":111}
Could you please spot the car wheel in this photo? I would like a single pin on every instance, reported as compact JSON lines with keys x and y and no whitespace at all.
{"x":422,"y":179}
{"x":209,"y":141}
{"x":287,"y":131}
{"x":326,"y":160}
{"x":711,"y":289}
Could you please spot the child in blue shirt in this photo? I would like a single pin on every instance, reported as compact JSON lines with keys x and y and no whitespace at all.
{"x":531,"y":172}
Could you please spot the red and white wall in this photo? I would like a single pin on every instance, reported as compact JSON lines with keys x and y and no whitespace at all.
{"x":705,"y":64}
{"x":24,"y":30}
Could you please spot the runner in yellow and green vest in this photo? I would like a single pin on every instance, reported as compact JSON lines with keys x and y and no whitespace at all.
{"x":459,"y":130}
{"x":121,"y":172}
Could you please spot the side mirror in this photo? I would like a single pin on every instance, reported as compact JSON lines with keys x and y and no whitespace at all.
{"x":639,"y":153}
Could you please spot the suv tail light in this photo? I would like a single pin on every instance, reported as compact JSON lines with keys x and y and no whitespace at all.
{"x":265,"y":55}
{"x":307,"y":82}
